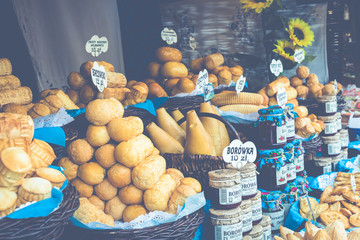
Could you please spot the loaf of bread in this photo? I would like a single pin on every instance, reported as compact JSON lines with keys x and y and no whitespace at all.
{"x":21,"y":95}
{"x":213,"y":60}
{"x":5,"y":67}
{"x":173,"y":70}
{"x":9,"y":82}
{"x":274,"y":86}
{"x":133,"y":152}
{"x":168,"y":54}
{"x":154,"y":69}
{"x":15,"y":126}
{"x":76,"y":81}
{"x":147,"y":174}
{"x":228,"y":98}
{"x":241,"y":108}
{"x":197,"y":65}
{"x":86,"y":67}
{"x":102,"y":111}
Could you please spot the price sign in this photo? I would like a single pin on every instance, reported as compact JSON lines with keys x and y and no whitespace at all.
{"x":299,"y":55}
{"x":208,"y":92}
{"x":240,"y":84}
{"x":95,"y":46}
{"x":276,"y":67}
{"x":98,"y":76}
{"x":192,"y":42}
{"x":238,"y":153}
{"x":281,"y":97}
{"x":169,"y":36}
{"x":202,"y":80}
{"x":335,"y":86}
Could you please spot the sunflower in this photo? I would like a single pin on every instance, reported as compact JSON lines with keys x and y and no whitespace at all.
{"x":257,"y":5}
{"x":285,"y":49}
{"x":300,"y":32}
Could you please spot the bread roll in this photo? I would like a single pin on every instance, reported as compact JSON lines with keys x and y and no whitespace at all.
{"x":317,"y":127}
{"x":291,"y":93}
{"x":85,"y":68}
{"x":5,"y":66}
{"x":124,"y":129}
{"x":328,"y":90}
{"x":213,"y":60}
{"x":15,"y":126}
{"x":272,"y":101}
{"x":138,"y":94}
{"x":41,"y":154}
{"x":115,"y":80}
{"x":237,"y":72}
{"x":105,"y":191}
{"x":197,"y":65}
{"x":168,"y":54}
{"x":301,"y":122}
{"x":87,"y":213}
{"x":192,"y":182}
{"x":194,"y":78}
{"x":218,"y":69}
{"x":213,"y":80}
{"x":312,"y":79}
{"x":302,"y":72}
{"x":101,"y":111}
{"x":117,"y":93}
{"x":91,"y":173}
{"x":175,"y":174}
{"x":115,"y":208}
{"x":9,"y":82}
{"x":134,"y":151}
{"x":119,"y":176}
{"x":87,"y":93}
{"x":179,"y":196}
{"x":96,"y":201}
{"x":295,"y":81}
{"x":153,"y":69}
{"x":262,"y":92}
{"x":302,"y":111}
{"x":315,"y":91}
{"x":73,"y":95}
{"x":70,"y":168}
{"x":224,"y":77}
{"x":132,"y":212}
{"x":97,"y":135}
{"x":131,"y":195}
{"x":76,"y":81}
{"x":306,"y":131}
{"x":148,"y":173}
{"x":39,"y":110}
{"x":105,"y":155}
{"x":156,"y":91}
{"x":170,"y":84}
{"x":184,"y":85}
{"x":173,"y":70}
{"x":339,"y":86}
{"x":84,"y":189}
{"x":80,"y":151}
{"x":274,"y":86}
{"x":294,"y":102}
{"x":302,"y":91}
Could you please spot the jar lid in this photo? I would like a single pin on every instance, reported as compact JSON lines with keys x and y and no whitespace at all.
{"x":344,"y":132}
{"x":271,"y":110}
{"x":225,"y":214}
{"x":256,"y":197}
{"x":247,"y":237}
{"x":265,"y":221}
{"x":323,"y":99}
{"x":248,"y":167}
{"x":256,"y":231}
{"x":245,"y":204}
{"x":271,"y":152}
{"x":224,"y":175}
{"x":288,"y":147}
{"x":330,"y":118}
{"x":335,"y":137}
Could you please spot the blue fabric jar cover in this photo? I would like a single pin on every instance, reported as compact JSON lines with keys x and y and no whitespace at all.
{"x":289,"y":111}
{"x":272,"y":201}
{"x":271,"y":114}
{"x":271,"y":156}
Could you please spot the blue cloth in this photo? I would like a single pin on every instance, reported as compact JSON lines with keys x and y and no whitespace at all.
{"x":54,"y":135}
{"x":294,"y":219}
{"x":147,"y":105}
{"x":75,"y":112}
{"x":158,"y":102}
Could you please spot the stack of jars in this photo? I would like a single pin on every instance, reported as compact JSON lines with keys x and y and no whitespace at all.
{"x":236,"y":202}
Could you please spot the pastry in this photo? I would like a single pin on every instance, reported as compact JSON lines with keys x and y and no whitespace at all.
{"x":131,"y":195}
{"x":315,"y":91}
{"x":155,"y":90}
{"x":21,"y":143}
{"x":153,"y":69}
{"x":7,"y":202}
{"x":66,"y":101}
{"x":131,"y":83}
{"x":302,"y":72}
{"x":213,"y":60}
{"x":54,"y":103}
{"x":349,"y":195}
{"x":105,"y":191}
{"x":322,"y":235}
{"x":354,"y":235}
{"x":15,"y":125}
{"x":54,"y":176}
{"x":101,"y":111}
{"x":85,"y":68}
{"x":34,"y":189}
{"x":274,"y":86}
{"x":340,"y":190}
{"x":310,"y":230}
{"x":330,"y":216}
{"x":84,"y":189}
{"x":80,"y":151}
{"x":173,"y":70}
{"x":76,"y":80}
{"x":86,"y":94}
{"x":302,"y":111}
{"x":218,"y":69}
{"x":119,"y":176}
{"x":124,"y":129}
{"x":335,"y":206}
{"x":291,"y":93}
{"x":132,"y":212}
{"x":301,"y":122}
{"x":346,"y":212}
{"x":312,"y":80}
{"x":354,"y":209}
{"x":197,"y":65}
{"x":224,"y":77}
{"x":178,"y":198}
{"x":168,"y":54}
{"x":285,"y":231}
{"x":116,"y":93}
{"x":14,"y":165}
{"x":237,"y":72}
{"x":41,"y":154}
{"x":304,"y":205}
{"x":115,"y":208}
{"x":138,"y":94}
{"x":175,"y":174}
{"x":91,"y":173}
{"x":96,"y":201}
{"x":295,"y":81}
{"x":70,"y":168}
{"x":302,"y":91}
{"x":192,"y":182}
{"x":104,"y":155}
{"x":97,"y":135}
{"x":335,"y":198}
{"x":17,"y":108}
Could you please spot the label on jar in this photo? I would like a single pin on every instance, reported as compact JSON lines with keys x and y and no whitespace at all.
{"x":327,"y":169}
{"x":290,"y":127}
{"x":338,"y":121}
{"x":267,"y":233}
{"x":345,"y":154}
{"x":331,"y":107}
{"x":281,"y":175}
{"x":299,"y":163}
{"x":331,"y":127}
{"x":256,"y":209}
{"x":247,"y":221}
{"x":277,"y":219}
{"x":291,"y":171}
{"x":249,"y":186}
{"x":281,"y":133}
{"x":334,"y":148}
{"x":344,"y":141}
{"x":229,"y":232}
{"x":229,"y":196}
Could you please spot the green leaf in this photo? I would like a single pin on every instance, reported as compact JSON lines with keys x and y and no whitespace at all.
{"x":309,"y":58}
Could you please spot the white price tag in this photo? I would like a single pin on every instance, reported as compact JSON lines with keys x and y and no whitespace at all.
{"x":281,"y":97}
{"x":169,"y":36}
{"x":299,"y":55}
{"x":202,"y":80}
{"x":238,"y":154}
{"x":208,"y":92}
{"x":276,"y":67}
{"x":335,"y":86}
{"x":240,"y":84}
{"x":192,"y":42}
{"x":95,"y":46}
{"x":353,"y":183}
{"x":98,"y":76}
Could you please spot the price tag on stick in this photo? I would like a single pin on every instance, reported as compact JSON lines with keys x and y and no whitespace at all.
{"x":281,"y":97}
{"x":238,"y":153}
{"x":335,"y":86}
{"x":308,"y":199}
{"x":276,"y":67}
{"x":169,"y":36}
{"x":240,"y":84}
{"x":202,"y":80}
{"x":98,"y":76}
{"x":299,"y":55}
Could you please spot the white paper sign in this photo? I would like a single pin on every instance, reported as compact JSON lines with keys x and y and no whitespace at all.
{"x":299,"y":55}
{"x":192,"y":42}
{"x":169,"y":36}
{"x":202,"y":80}
{"x":208,"y":92}
{"x":276,"y":67}
{"x":96,"y":45}
{"x":335,"y":86}
{"x":238,"y":154}
{"x":281,"y":97}
{"x":98,"y":76}
{"x":240,"y":84}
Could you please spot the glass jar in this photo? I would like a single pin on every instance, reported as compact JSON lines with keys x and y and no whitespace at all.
{"x":344,"y":138}
{"x":338,"y":120}
{"x":225,"y":188}
{"x":247,"y":237}
{"x":290,"y":165}
{"x":273,"y":207}
{"x":257,"y":232}
{"x":327,"y":105}
{"x":344,"y":153}
{"x":248,"y":181}
{"x":246,"y":213}
{"x":319,"y":166}
{"x":271,"y":128}
{"x":227,"y":223}
{"x":331,"y":146}
{"x":331,"y":124}
{"x":266,"y":225}
{"x":272,"y":169}
{"x":256,"y":208}
{"x":298,"y":157}
{"x":290,"y":122}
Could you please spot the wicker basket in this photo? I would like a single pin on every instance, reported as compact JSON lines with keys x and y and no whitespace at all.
{"x":42,"y":228}
{"x":184,"y":104}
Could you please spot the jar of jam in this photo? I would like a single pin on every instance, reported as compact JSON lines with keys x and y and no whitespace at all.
{"x":331,"y":124}
{"x":273,"y":207}
{"x":257,"y":233}
{"x":256,"y":208}
{"x":319,"y":166}
{"x":344,"y":138}
{"x":290,"y":122}
{"x":335,"y":161}
{"x":271,"y":127}
{"x":247,"y":237}
{"x":246,"y":213}
{"x":327,"y":105}
{"x":331,"y":146}
{"x":298,"y":157}
{"x":290,"y":165}
{"x":225,"y":188}
{"x":227,"y":223}
{"x":248,"y":180}
{"x":272,"y":169}
{"x":344,"y":153}
{"x":338,"y":120}
{"x":266,"y":225}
